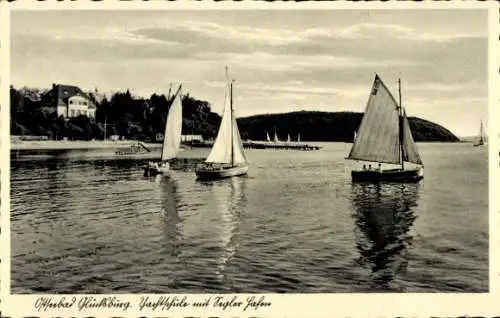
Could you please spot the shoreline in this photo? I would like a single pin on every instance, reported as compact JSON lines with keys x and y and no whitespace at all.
{"x":79,"y":145}
{"x":41,"y":145}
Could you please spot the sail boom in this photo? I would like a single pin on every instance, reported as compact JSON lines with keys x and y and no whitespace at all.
{"x":371,"y":160}
{"x":387,"y":162}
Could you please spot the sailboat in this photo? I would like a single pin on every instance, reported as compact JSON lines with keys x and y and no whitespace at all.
{"x":384,"y":136}
{"x":267,"y":137}
{"x":171,"y":139}
{"x":298,"y":138}
{"x":352,"y":140}
{"x":227,"y":158}
{"x":276,"y":139}
{"x":288,"y":139}
{"x":481,"y":138}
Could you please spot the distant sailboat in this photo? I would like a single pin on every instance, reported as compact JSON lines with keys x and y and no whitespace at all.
{"x":171,"y":138}
{"x":480,"y":141}
{"x":353,"y":138}
{"x":298,"y":138}
{"x":267,"y":137}
{"x":227,"y":158}
{"x":385,"y":137}
{"x":276,"y":139}
{"x":288,"y":138}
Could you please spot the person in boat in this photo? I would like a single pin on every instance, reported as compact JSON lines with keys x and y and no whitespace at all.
{"x":379,"y":167}
{"x":364,"y":167}
{"x":369,"y":167}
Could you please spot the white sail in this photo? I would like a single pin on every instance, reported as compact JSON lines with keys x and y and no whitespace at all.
{"x":267,"y":137}
{"x":378,"y":135}
{"x":173,"y":129}
{"x":227,"y":147}
{"x":480,"y":140}
{"x":276,"y":139}
{"x":298,"y":138}
{"x":409,"y":146}
{"x":288,"y":139}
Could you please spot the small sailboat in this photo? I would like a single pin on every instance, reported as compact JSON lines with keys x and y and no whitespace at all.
{"x":171,"y":139}
{"x":353,"y":138}
{"x":267,"y":137}
{"x":481,"y":140}
{"x":227,"y":158}
{"x":384,"y":136}
{"x":298,"y":138}
{"x":288,"y":139}
{"x":276,"y":139}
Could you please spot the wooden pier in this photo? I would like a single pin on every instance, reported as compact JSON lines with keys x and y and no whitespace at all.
{"x":265,"y":145}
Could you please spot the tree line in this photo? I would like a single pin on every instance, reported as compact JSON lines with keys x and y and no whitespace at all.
{"x":123,"y":114}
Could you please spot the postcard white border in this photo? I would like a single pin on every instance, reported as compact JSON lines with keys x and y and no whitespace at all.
{"x":290,"y":305}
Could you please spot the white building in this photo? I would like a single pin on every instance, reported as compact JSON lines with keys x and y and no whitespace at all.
{"x":69,"y":101}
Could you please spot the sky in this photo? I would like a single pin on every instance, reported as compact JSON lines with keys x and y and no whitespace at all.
{"x":281,"y":60}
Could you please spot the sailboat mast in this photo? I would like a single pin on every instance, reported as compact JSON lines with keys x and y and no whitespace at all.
{"x":232,"y":134}
{"x":401,"y":130}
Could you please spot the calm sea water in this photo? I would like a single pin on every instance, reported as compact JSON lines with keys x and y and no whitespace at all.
{"x":296,"y":223}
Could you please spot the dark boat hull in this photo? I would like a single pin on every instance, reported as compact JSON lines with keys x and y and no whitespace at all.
{"x":394,"y":175}
{"x":204,"y":173}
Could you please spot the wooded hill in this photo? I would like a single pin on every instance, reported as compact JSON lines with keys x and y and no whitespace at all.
{"x":328,"y":126}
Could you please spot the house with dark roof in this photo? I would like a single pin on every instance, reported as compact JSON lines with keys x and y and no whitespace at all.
{"x":68,"y":101}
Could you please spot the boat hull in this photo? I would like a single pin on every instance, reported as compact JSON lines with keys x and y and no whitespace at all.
{"x":393,"y":175}
{"x":205,"y":173}
{"x":151,"y":170}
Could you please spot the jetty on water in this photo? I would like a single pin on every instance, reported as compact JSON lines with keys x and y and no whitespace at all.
{"x":264,"y":145}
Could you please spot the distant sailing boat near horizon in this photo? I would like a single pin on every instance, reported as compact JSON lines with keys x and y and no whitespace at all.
{"x":481,"y":140}
{"x":171,"y":138}
{"x":384,"y":136}
{"x":227,"y":158}
{"x":276,"y":139}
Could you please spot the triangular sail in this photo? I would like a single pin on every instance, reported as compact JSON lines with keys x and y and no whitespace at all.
{"x":227,"y":147}
{"x":276,"y":139}
{"x":409,"y":146}
{"x":173,"y":129}
{"x":288,"y":139}
{"x":481,"y":132}
{"x":480,"y":140}
{"x":238,"y":153}
{"x":267,"y":137}
{"x":378,"y":135}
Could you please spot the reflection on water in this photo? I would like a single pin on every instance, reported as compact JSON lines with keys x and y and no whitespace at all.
{"x":208,"y":264}
{"x":384,"y":215}
{"x":170,"y":201}
{"x":229,"y":195}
